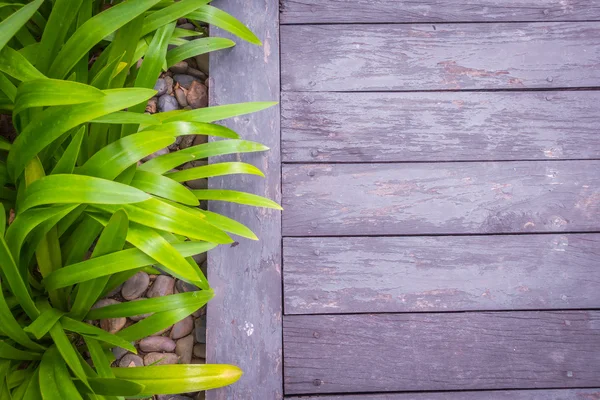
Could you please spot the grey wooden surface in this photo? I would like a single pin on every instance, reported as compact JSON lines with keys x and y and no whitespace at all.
{"x":378,"y":11}
{"x":441,"y":351}
{"x":439,"y":57}
{"x":414,"y":274}
{"x":441,"y":198}
{"x":244,"y":318}
{"x":553,"y":394}
{"x":447,"y":126}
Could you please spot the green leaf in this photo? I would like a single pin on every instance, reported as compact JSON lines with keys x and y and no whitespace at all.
{"x":169,"y":14}
{"x":12,"y":329}
{"x":115,"y":387}
{"x":8,"y":88}
{"x":113,"y":159}
{"x":182,"y":128}
{"x":153,"y":305}
{"x":227,"y":224}
{"x":167,"y":162}
{"x":10,"y":353}
{"x":165,"y":379}
{"x":63,"y":15}
{"x":104,"y":76}
{"x":15,"y":282}
{"x":48,"y":384}
{"x":155,"y":323}
{"x":112,"y":239}
{"x":162,"y":186}
{"x":93,"y":31}
{"x":77,"y":245}
{"x":53,"y":92}
{"x":159,"y":214}
{"x":69,"y":189}
{"x":216,"y":113}
{"x":197,"y":47}
{"x":67,"y":162}
{"x":66,"y":387}
{"x":234,"y":196}
{"x":67,"y":351}
{"x":93,"y":332}
{"x":154,"y":58}
{"x":99,"y":358}
{"x":212,"y":170}
{"x":11,"y":25}
{"x":16,"y":65}
{"x":109,"y":264}
{"x":220,"y":18}
{"x":124,"y":117}
{"x":44,"y":322}
{"x":55,"y":121}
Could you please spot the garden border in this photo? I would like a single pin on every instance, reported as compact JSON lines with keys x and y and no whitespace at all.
{"x":244,"y":319}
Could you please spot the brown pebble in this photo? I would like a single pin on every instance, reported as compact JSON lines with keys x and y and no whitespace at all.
{"x":200,"y":350}
{"x":184,"y":349}
{"x":180,"y":68}
{"x":197,"y":95}
{"x":169,"y":82}
{"x":182,"y":328}
{"x":181,"y":97}
{"x":162,"y":286}
{"x":131,"y":360}
{"x":160,"y":359}
{"x":198,"y":361}
{"x":152,"y":105}
{"x":196,"y":73}
{"x":135,"y":286}
{"x":156,"y":343}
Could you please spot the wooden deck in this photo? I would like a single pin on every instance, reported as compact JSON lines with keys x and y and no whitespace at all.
{"x":440,"y":176}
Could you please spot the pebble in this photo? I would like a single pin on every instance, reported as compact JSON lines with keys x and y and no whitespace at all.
{"x":163,"y":286}
{"x":182,"y":328}
{"x":183,"y":286}
{"x":200,"y":139}
{"x":200,"y":350}
{"x":135,"y":286}
{"x":114,"y":292}
{"x":181,"y":97}
{"x":131,"y":360}
{"x":200,"y":258}
{"x":119,"y":352}
{"x":198,"y":361}
{"x":167,"y":103}
{"x":200,"y":396}
{"x":184,"y":80}
{"x":200,"y":329}
{"x":111,"y":325}
{"x":161,"y":332}
{"x":156,"y":343}
{"x":198,"y":184}
{"x":196,"y":73}
{"x":202,"y":62}
{"x":161,"y":87}
{"x":186,"y":141}
{"x":160,"y":359}
{"x":185,"y":348}
{"x":170,"y":83}
{"x":197,"y":95}
{"x":152,"y":106}
{"x":187,"y":25}
{"x":179,"y":68}
{"x":156,"y":154}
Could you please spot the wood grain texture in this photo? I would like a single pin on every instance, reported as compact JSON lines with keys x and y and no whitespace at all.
{"x":553,"y":394}
{"x":443,"y":56}
{"x":441,"y":198}
{"x":448,"y":351}
{"x":244,"y":318}
{"x":423,"y":11}
{"x":447,"y":126}
{"x":413,"y":274}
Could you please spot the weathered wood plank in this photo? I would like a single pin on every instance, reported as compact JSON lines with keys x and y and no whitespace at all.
{"x":448,"y":351}
{"x":553,"y":394}
{"x":441,"y":198}
{"x":447,"y":126}
{"x":412,"y":274}
{"x":395,"y":11}
{"x":244,"y":318}
{"x":444,"y":56}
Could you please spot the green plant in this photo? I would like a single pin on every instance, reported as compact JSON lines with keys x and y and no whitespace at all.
{"x":72,"y":180}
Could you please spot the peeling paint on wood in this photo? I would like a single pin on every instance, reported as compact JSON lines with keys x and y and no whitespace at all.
{"x":244,"y":318}
{"x":448,"y":351}
{"x":441,"y":198}
{"x":444,"y":57}
{"x":415,"y":274}
{"x":448,"y":126}
{"x":555,"y":394}
{"x":423,"y":11}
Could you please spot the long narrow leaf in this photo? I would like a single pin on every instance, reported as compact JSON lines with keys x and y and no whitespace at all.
{"x":11,"y":25}
{"x":163,"y":186}
{"x":234,"y":196}
{"x":197,"y":47}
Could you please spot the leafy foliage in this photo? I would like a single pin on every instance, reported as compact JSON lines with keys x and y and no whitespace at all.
{"x":73,"y":179}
